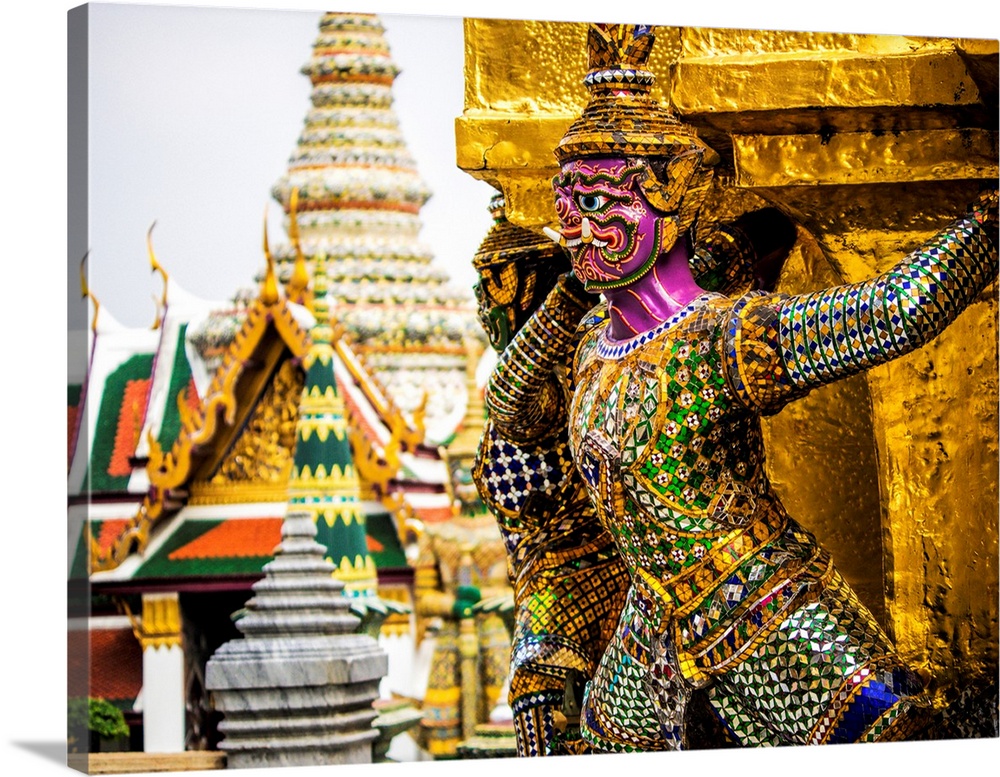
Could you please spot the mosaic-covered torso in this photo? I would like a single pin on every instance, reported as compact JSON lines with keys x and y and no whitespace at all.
{"x":674,"y":462}
{"x":672,"y":456}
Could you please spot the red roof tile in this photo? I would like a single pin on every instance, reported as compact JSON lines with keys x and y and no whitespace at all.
{"x":353,"y":408}
{"x":237,"y":538}
{"x":116,"y":664}
{"x":115,"y":658}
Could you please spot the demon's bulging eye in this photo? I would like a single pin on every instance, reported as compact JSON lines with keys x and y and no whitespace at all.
{"x":590,"y":203}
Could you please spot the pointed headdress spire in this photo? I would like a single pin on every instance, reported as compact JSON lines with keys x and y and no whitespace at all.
{"x":617,"y":56}
{"x":621,"y":119}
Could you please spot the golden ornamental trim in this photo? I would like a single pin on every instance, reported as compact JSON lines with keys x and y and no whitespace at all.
{"x":160,"y":624}
{"x":136,"y":533}
{"x":348,"y":512}
{"x":204,"y":492}
{"x":361,"y":569}
{"x":375,"y":466}
{"x":409,"y":433}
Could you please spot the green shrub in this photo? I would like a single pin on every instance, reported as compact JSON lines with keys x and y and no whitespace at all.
{"x":106,"y":719}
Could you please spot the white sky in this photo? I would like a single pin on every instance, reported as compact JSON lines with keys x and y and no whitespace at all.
{"x":193,"y":114}
{"x":33,"y":201}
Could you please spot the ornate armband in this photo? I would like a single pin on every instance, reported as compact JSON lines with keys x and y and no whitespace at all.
{"x":779,"y":347}
{"x":524,"y":398}
{"x":834,"y":333}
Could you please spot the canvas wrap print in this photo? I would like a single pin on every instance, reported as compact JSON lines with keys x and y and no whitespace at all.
{"x":673,"y":427}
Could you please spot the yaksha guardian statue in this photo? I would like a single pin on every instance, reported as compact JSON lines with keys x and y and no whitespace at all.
{"x":569,"y":581}
{"x":726,"y":592}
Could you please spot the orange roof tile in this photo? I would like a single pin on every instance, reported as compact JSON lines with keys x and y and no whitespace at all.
{"x":234,"y":538}
{"x":110,"y":531}
{"x":191,"y":396}
{"x":433,"y":514}
{"x":130,"y":418}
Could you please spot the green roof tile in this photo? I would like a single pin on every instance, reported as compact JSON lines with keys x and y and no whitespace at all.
{"x":138,"y":367}
{"x":180,"y":377}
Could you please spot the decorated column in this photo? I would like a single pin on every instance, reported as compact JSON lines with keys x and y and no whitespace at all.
{"x":162,"y":674}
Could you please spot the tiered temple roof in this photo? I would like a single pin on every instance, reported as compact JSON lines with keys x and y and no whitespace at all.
{"x":326,"y":390}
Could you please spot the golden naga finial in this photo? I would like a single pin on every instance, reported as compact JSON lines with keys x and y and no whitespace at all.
{"x":85,"y":290}
{"x":161,"y":307}
{"x":269,"y":288}
{"x":337,"y":331}
{"x":298,"y":284}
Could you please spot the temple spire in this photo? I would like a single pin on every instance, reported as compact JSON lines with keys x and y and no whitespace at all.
{"x":359,"y":194}
{"x":324,"y":483}
{"x":296,"y":689}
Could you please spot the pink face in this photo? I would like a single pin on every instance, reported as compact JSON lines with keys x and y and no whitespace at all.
{"x":626,"y":233}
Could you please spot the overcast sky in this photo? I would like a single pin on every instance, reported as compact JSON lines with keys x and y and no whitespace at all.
{"x":193,"y":113}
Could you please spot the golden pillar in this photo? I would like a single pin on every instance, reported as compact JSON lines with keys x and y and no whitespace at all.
{"x":872,"y":143}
